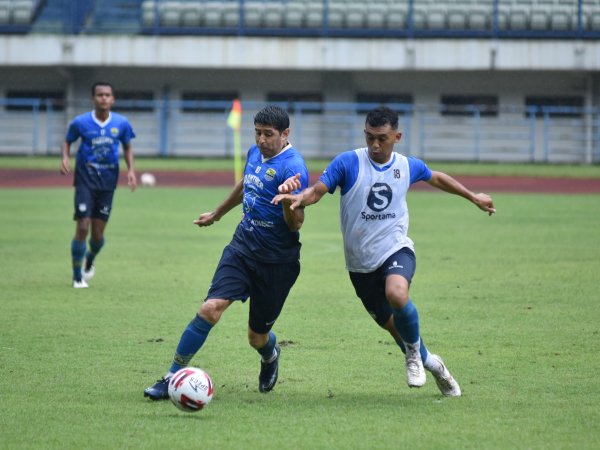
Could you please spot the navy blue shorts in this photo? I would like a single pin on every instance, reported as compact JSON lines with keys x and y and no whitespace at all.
{"x":370,"y":287}
{"x":267,"y":285}
{"x":92,"y":203}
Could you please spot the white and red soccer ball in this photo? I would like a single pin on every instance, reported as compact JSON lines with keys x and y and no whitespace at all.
{"x":190,"y":389}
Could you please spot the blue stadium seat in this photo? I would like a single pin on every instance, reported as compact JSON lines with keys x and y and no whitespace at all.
{"x":335,"y":15}
{"x":293,"y":16}
{"x":538,"y":18}
{"x":192,"y":14}
{"x":4,"y":13}
{"x":314,"y":14}
{"x":436,"y":18}
{"x":375,"y":16}
{"x":273,"y":15}
{"x":355,"y":15}
{"x":253,"y":14}
{"x":397,"y":16}
{"x":457,"y":17}
{"x":22,"y":12}
{"x":170,"y":13}
{"x":213,"y":14}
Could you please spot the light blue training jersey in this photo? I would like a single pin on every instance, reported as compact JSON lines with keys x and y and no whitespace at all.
{"x":374,"y":215}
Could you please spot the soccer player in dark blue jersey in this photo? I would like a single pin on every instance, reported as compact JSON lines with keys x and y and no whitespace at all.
{"x":96,"y":175}
{"x":262,"y":260}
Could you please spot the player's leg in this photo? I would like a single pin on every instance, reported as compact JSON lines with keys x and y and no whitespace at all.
{"x":100,"y":215}
{"x":83,"y":203}
{"x":269,"y":290}
{"x":398,"y":270}
{"x":444,"y":380}
{"x":229,"y":283}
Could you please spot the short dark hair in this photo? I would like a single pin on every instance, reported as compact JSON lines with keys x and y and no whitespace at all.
{"x":382,"y":115}
{"x":273,"y":116}
{"x":101,"y":83}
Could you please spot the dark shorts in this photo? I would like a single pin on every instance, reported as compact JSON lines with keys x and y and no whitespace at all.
{"x":267,"y":286}
{"x":92,"y":203}
{"x":370,"y":287}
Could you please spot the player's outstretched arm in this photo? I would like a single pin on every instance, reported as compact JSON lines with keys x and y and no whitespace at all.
{"x":307,"y":197}
{"x":233,"y":199}
{"x":65,"y":164}
{"x":446,"y":183}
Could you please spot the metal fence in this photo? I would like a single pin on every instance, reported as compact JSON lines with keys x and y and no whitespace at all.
{"x":322,"y":130}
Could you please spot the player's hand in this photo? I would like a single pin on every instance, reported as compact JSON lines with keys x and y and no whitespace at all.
{"x":65,"y":166}
{"x":289,"y":200}
{"x":485,"y":203}
{"x":206,"y":219}
{"x":290,"y":185}
{"x":131,"y":180}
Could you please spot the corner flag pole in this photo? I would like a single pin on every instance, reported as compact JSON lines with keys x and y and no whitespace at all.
{"x":234,"y":121}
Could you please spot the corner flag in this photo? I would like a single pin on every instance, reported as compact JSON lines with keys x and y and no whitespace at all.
{"x":234,"y":121}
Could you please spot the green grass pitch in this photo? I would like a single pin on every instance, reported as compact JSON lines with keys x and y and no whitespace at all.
{"x":511,"y":302}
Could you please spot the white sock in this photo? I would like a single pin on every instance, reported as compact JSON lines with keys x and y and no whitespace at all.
{"x":432,"y":364}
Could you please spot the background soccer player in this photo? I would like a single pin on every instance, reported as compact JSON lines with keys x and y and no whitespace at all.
{"x":262,"y":261}
{"x":379,"y":254}
{"x":96,"y":175}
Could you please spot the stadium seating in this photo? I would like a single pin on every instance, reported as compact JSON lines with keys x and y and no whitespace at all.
{"x":422,"y":17}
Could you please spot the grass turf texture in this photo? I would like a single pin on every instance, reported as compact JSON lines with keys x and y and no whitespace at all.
{"x":314,"y":165}
{"x":510,"y":302}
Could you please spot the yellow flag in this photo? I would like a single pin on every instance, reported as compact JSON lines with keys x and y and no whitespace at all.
{"x":234,"y":120}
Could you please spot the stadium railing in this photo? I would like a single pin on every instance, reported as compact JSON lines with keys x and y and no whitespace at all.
{"x":322,"y":130}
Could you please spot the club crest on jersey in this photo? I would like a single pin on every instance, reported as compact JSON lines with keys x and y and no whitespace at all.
{"x":270,"y":174}
{"x":114,"y":131}
{"x":380,"y":197}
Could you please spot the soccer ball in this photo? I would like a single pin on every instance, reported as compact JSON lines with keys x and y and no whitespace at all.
{"x":148,"y":179}
{"x":190,"y":389}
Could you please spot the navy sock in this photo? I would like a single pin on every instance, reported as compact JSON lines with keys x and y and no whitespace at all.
{"x":406,"y":321}
{"x":77,"y":254}
{"x":95,"y":247}
{"x":191,"y":340}
{"x":266,"y":352}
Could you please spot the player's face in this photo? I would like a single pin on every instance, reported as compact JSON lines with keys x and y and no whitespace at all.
{"x":269,"y":140}
{"x":380,"y":141}
{"x":103,"y":98}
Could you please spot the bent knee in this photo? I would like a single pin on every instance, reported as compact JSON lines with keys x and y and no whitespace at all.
{"x":211,"y":310}
{"x":257,"y":340}
{"x":397,"y":295}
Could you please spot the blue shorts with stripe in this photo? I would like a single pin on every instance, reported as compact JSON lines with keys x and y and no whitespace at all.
{"x":92,"y":203}
{"x":238,"y":277}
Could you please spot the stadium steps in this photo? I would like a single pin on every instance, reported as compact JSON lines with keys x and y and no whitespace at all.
{"x":62,"y":16}
{"x":115,"y":16}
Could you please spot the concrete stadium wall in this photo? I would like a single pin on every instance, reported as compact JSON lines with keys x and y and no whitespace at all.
{"x":336,"y":68}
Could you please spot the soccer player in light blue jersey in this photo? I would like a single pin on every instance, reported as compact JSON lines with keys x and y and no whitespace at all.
{"x":262,"y":261}
{"x":96,"y":175}
{"x":380,"y":257}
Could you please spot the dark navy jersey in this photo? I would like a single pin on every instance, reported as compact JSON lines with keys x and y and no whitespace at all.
{"x":97,"y":165}
{"x":263,"y":234}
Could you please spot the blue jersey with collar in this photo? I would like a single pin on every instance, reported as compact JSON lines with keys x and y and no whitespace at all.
{"x":343,"y":171}
{"x":97,"y":165}
{"x":263,"y":234}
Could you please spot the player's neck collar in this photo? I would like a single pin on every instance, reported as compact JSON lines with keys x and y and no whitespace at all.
{"x":287,"y":146}
{"x":385,"y":165}
{"x":101,"y":124}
